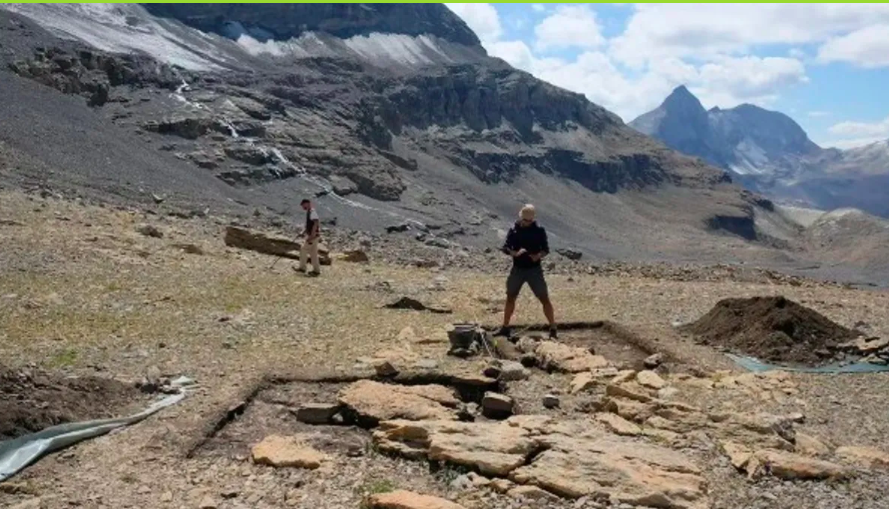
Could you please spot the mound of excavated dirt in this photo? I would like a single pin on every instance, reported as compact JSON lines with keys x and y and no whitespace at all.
{"x":773,"y":329}
{"x":31,"y":401}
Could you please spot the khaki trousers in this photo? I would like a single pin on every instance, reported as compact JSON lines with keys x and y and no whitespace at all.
{"x":309,"y":248}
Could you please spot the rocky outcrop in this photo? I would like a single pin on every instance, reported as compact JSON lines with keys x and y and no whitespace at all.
{"x":282,"y":22}
{"x":92,"y":73}
{"x":569,"y":458}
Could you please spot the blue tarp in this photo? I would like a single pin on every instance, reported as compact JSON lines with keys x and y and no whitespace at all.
{"x":756,"y":365}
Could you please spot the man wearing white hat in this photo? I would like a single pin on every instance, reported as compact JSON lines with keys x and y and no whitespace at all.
{"x":527,"y":244}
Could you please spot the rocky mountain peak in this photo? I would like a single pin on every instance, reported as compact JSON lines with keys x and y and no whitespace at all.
{"x":682,"y":99}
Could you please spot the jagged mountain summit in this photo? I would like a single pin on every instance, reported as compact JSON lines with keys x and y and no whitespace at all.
{"x":770,"y":153}
{"x":387,"y":114}
{"x":746,"y":139}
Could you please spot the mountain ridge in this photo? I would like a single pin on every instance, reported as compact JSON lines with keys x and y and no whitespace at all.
{"x":383,"y":129}
{"x":768,"y":152}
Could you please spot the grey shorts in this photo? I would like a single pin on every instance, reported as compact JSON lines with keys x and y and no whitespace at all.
{"x":533,"y":276}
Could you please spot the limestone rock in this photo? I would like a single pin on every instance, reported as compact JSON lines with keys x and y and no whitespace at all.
{"x":408,"y":500}
{"x":651,"y":380}
{"x":374,"y":402}
{"x":511,"y":371}
{"x":629,"y":409}
{"x":384,"y":368}
{"x":738,"y":454}
{"x":579,"y":458}
{"x":501,"y":485}
{"x":808,"y":445}
{"x":626,"y":472}
{"x":531,"y":493}
{"x":629,"y":390}
{"x":280,"y":451}
{"x":493,"y":448}
{"x":582,"y":382}
{"x":497,"y":406}
{"x":623,"y":376}
{"x":560,"y":357}
{"x":316,"y":413}
{"x":653,"y":361}
{"x":864,"y":455}
{"x":790,"y":466}
{"x":208,"y":503}
{"x":618,"y":424}
{"x":551,"y":401}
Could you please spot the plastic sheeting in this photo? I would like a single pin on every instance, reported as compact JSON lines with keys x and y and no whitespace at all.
{"x":756,"y":365}
{"x":19,"y":453}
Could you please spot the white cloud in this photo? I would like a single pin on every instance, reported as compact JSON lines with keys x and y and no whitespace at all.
{"x":538,"y":7}
{"x":861,"y":129}
{"x":851,"y":134}
{"x":752,"y":77}
{"x":701,"y":31}
{"x":706,"y":47}
{"x":481,"y":18}
{"x":569,"y":27}
{"x":818,"y":114}
{"x":852,"y":143}
{"x":867,"y":47}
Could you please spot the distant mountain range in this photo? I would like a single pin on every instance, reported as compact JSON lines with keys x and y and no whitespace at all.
{"x":768,"y":152}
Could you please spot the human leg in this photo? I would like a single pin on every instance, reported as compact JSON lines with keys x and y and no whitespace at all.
{"x":303,"y":255}
{"x":313,"y":252}
{"x":513,"y":287}
{"x":537,"y":282}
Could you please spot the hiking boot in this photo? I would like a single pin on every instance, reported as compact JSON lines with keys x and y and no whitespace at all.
{"x":314,"y":273}
{"x":553,"y":333}
{"x":298,"y":269}
{"x":504,"y":332}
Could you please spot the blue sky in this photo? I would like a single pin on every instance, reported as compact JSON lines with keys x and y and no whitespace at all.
{"x":825,"y":65}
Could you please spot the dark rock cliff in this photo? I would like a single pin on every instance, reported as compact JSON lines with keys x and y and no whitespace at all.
{"x":285,"y":21}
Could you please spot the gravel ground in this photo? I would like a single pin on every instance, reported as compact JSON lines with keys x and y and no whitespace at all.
{"x":83,"y":293}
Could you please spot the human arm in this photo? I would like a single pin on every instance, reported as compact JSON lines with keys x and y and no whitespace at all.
{"x":510,"y":245}
{"x":312,"y":232}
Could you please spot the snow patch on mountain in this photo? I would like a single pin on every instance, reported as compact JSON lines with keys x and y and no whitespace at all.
{"x":125,"y":28}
